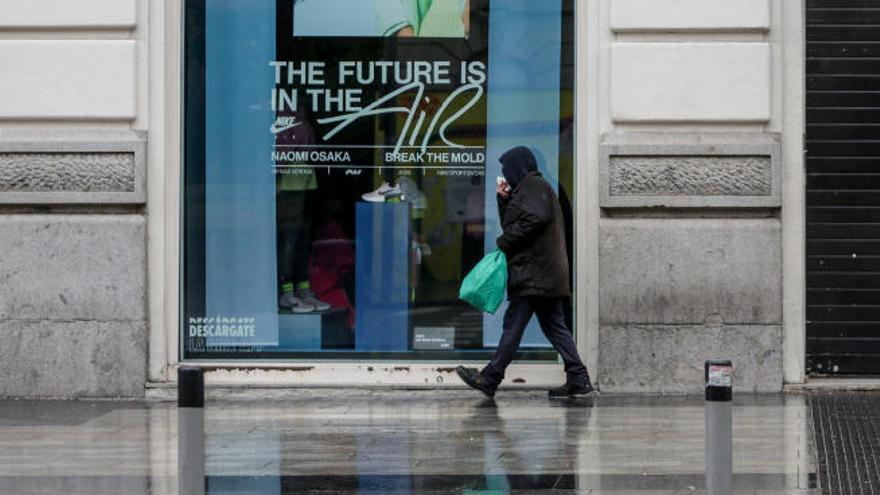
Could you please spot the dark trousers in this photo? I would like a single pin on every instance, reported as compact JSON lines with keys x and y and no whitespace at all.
{"x":552,"y":319}
{"x":294,"y":226}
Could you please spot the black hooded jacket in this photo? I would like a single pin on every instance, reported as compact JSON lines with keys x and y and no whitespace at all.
{"x":533,"y":236}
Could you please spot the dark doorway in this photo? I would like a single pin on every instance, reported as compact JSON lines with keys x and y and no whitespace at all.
{"x":843,"y":187}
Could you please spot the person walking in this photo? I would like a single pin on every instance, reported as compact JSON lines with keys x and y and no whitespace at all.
{"x":533,"y":241}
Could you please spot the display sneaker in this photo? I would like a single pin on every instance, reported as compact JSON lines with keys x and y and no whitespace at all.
{"x":385,"y":192}
{"x":290,"y":301}
{"x":568,"y":391}
{"x":308,"y":297}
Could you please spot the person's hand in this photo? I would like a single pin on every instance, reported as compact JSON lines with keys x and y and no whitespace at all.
{"x":501,"y":189}
{"x":407,"y":32}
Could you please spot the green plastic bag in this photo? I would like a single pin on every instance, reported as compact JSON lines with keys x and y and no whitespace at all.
{"x":484,"y":286}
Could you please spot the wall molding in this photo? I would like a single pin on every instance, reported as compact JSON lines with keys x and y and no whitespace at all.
{"x":73,"y":168}
{"x":679,"y":170}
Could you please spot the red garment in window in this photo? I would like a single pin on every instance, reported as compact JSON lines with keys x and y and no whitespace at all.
{"x":331,"y":263}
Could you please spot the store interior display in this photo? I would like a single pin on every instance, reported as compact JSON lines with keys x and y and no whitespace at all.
{"x":357,"y":172}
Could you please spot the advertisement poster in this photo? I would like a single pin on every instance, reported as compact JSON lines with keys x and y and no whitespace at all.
{"x":340,"y":169}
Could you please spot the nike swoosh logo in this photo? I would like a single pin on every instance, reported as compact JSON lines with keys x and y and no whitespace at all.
{"x":276,"y":129}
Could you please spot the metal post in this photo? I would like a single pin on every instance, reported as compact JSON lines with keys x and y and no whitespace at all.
{"x":719,"y":433}
{"x":191,"y":431}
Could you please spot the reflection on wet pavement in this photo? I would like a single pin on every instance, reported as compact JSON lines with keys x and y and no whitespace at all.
{"x":406,"y":442}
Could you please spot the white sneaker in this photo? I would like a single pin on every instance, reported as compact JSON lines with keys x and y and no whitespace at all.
{"x":296,"y":305}
{"x":308,"y":297}
{"x":385,"y":192}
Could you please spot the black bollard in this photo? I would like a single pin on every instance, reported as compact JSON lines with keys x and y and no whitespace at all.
{"x":191,"y":430}
{"x":719,"y":429}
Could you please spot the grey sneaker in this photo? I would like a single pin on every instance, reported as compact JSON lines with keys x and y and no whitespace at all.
{"x":308,"y":297}
{"x":294,"y":304}
{"x":385,"y":192}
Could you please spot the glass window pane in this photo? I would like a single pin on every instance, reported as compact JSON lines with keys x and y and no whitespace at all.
{"x":340,"y":170}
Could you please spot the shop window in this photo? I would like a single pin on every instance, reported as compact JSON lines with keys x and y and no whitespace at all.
{"x":340,"y":165}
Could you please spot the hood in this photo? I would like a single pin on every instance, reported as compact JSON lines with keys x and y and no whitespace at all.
{"x":516,"y":164}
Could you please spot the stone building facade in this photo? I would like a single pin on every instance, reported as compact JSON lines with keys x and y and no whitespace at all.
{"x":689,"y":207}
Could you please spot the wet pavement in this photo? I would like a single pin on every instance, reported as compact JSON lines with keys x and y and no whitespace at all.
{"x":441,"y":442}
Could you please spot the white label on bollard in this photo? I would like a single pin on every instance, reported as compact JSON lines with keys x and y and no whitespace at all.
{"x":720,"y":376}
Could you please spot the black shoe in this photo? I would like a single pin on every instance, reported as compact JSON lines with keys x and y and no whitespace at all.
{"x":475,"y":380}
{"x":573,"y":391}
